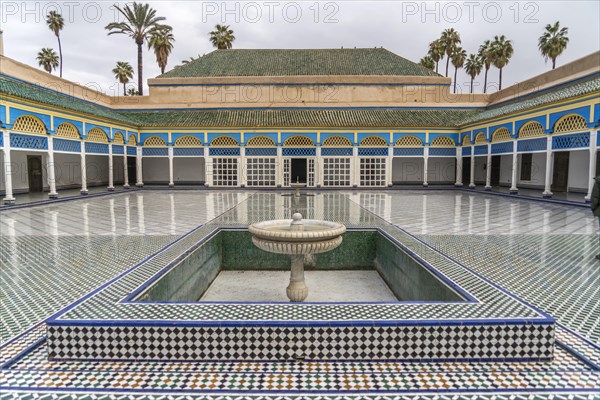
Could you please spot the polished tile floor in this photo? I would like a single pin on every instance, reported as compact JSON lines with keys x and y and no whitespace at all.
{"x":53,"y":254}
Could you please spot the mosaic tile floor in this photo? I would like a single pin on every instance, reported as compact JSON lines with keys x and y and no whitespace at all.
{"x":52,"y":255}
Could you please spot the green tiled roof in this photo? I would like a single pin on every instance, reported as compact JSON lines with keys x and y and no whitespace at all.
{"x":40,"y":95}
{"x":551,"y":96}
{"x":303,"y":118}
{"x":266,"y":62}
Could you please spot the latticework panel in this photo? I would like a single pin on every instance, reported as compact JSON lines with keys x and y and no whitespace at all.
{"x":408,"y":151}
{"x":466,"y":141}
{"x":570,"y":123}
{"x":442,"y":141}
{"x":409,"y":141}
{"x":299,"y":152}
{"x":502,"y":148}
{"x":373,"y":151}
{"x":260,"y":141}
{"x":131,"y":141}
{"x":70,"y":146}
{"x":155,"y":141}
{"x":373,"y":141}
{"x":501,"y":135}
{"x":298,"y":141}
{"x":442,"y":152}
{"x":119,"y":139}
{"x":224,"y":141}
{"x":97,"y":135}
{"x":188,"y":141}
{"x":531,"y":145}
{"x":67,"y":131}
{"x":480,"y":138}
{"x":118,"y":149}
{"x":572,"y":141}
{"x":336,"y":141}
{"x":18,"y":141}
{"x":480,"y":150}
{"x":29,"y":124}
{"x":531,"y":129}
{"x":97,"y":148}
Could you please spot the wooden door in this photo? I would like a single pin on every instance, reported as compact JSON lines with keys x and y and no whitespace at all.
{"x":560,"y":173}
{"x":34,"y":173}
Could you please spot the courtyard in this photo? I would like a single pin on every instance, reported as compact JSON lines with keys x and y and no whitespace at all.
{"x":538,"y":252}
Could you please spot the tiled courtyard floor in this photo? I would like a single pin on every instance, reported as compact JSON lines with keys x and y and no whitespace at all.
{"x":51,"y":255}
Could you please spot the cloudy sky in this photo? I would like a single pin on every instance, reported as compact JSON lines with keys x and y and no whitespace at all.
{"x":403,"y":27}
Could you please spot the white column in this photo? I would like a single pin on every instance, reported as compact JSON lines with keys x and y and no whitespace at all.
{"x":170,"y":152}
{"x":472,"y":177}
{"x":592,"y":172}
{"x":111,"y":180}
{"x":125,"y":170}
{"x":208,"y":168}
{"x":459,"y":167}
{"x":425,"y":165}
{"x":242,"y":177}
{"x":318,"y":167}
{"x":279,"y":166}
{"x":549,"y":158}
{"x":138,"y":168}
{"x":355,"y":167}
{"x":50,"y":168}
{"x":488,"y":169}
{"x":389,"y":170}
{"x":515,"y":166}
{"x":8,"y":197}
{"x":84,"y":189}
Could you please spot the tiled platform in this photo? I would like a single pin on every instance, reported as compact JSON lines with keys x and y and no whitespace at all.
{"x":551,"y":248}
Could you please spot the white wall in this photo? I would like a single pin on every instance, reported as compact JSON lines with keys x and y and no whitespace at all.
{"x":441,"y":170}
{"x":505,"y":169}
{"x":188,"y":169}
{"x":67,"y":170}
{"x":407,"y":170}
{"x":579,"y":166}
{"x":155,"y":170}
{"x":20,"y":180}
{"x":538,"y":172}
{"x":96,"y":170}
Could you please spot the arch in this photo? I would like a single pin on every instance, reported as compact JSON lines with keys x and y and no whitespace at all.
{"x":336,"y":141}
{"x":97,"y":135}
{"x":480,"y":138}
{"x":531,"y":129}
{"x":131,"y":141}
{"x":409,"y":141}
{"x":570,"y":123}
{"x":466,"y":140}
{"x":224,"y":141}
{"x":68,"y":131}
{"x":442,"y":141}
{"x":119,"y":139}
{"x":260,"y":141}
{"x":373,"y":141}
{"x":187,"y":141}
{"x":298,"y":141}
{"x":501,"y":135}
{"x":155,"y":141}
{"x":29,"y":124}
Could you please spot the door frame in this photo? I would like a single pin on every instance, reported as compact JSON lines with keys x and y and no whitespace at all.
{"x":30,"y":177}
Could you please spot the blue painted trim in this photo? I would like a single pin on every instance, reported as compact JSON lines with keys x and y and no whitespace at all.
{"x":23,"y":353}
{"x":577,"y":355}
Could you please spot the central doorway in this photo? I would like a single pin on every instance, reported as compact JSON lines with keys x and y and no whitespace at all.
{"x":560,"y":172}
{"x":495,"y":174}
{"x":298,"y":170}
{"x":34,"y":173}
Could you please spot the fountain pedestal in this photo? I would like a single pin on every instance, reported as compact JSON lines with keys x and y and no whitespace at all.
{"x":297,"y":239}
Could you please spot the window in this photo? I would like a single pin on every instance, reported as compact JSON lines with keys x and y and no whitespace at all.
{"x":260,"y":171}
{"x":336,"y":172}
{"x":526,"y":161}
{"x":225,"y":171}
{"x":372,"y":172}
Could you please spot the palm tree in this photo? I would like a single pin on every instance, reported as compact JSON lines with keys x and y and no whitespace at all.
{"x":56,"y":22}
{"x":141,"y":22}
{"x":458,"y":60}
{"x":503,"y":51}
{"x":450,"y":39}
{"x":161,"y":41}
{"x":123,"y":72}
{"x":427,"y":62}
{"x":553,"y":42}
{"x":132,"y":92}
{"x":48,"y":59}
{"x":436,"y":52}
{"x":487,"y":58}
{"x":222,"y":37}
{"x":473,"y":67}
{"x":191,"y":59}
